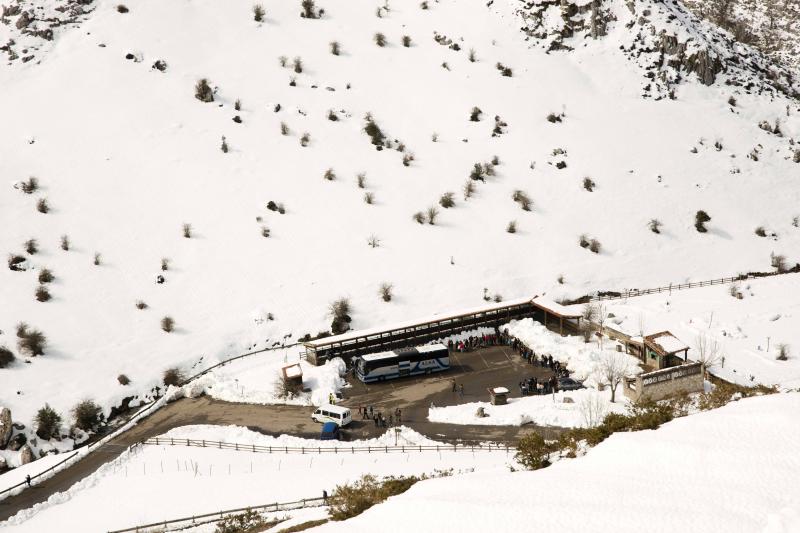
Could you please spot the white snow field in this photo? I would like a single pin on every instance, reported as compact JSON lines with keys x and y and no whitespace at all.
{"x":163,"y":482}
{"x":729,"y":470}
{"x":125,"y":155}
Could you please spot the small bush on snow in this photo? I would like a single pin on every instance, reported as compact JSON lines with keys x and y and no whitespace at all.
{"x":172,"y":376}
{"x":512,"y":227}
{"x":42,"y":294}
{"x":31,"y":342}
{"x":203,"y":91}
{"x":386,"y":291}
{"x":352,"y":499}
{"x":432,"y":214}
{"x":700,"y":219}
{"x":447,"y":200}
{"x":6,"y":357}
{"x":122,"y":379}
{"x":65,"y":243}
{"x":380,"y":39}
{"x":48,"y":423}
{"x":30,"y":186}
{"x":258,"y":13}
{"x":168,"y":324}
{"x":42,"y":206}
{"x":46,"y":276}
{"x":335,"y":48}
{"x":187,"y":230}
{"x":87,"y":415}
{"x":406,"y":41}
{"x":31,"y":246}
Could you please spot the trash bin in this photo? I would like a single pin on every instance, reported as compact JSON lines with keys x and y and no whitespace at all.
{"x":498,"y":395}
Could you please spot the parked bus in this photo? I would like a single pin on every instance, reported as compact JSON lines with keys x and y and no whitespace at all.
{"x":400,"y":363}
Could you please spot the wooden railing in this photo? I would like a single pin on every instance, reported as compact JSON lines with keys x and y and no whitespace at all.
{"x":196,"y":520}
{"x":254,"y":448}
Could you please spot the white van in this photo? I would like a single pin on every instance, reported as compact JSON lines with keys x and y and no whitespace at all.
{"x":332,"y":413}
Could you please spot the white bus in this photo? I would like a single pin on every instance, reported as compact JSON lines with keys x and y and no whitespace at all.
{"x":400,"y":363}
{"x":332,"y":413}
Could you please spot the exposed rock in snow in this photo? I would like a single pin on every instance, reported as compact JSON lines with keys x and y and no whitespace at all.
{"x":6,"y":426}
{"x":25,"y":455}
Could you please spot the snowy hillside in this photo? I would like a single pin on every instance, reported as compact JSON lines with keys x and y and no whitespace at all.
{"x":107,"y":119}
{"x":733,"y":470}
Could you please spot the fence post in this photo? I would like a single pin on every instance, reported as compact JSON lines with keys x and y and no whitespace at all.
{"x":204,"y":443}
{"x":219,"y":444}
{"x":172,"y":442}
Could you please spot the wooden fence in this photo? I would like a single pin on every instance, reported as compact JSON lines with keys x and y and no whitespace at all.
{"x":196,"y":520}
{"x":254,"y":448}
{"x":630,"y":293}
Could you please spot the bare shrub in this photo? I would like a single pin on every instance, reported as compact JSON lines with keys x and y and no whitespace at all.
{"x":468,"y":189}
{"x":186,"y":228}
{"x":380,"y":39}
{"x":329,"y":175}
{"x":512,"y":227}
{"x":406,"y":41}
{"x":30,"y":341}
{"x":168,"y":324}
{"x":172,"y":376}
{"x":332,"y":116}
{"x":588,"y":184}
{"x":297,"y":64}
{"x":305,"y":139}
{"x":140,"y":304}
{"x":224,"y":145}
{"x":122,"y":379}
{"x":522,"y":198}
{"x":65,"y":243}
{"x":419,"y":217}
{"x":335,"y":48}
{"x":372,"y":129}
{"x":475,"y":114}
{"x":339,"y":310}
{"x":583,"y":240}
{"x":447,"y":200}
{"x":707,"y":350}
{"x":593,"y":410}
{"x":594,"y":246}
{"x":385,"y":291}
{"x":31,"y":246}
{"x":760,"y":231}
{"x":309,"y":9}
{"x":258,"y":13}
{"x":373,"y":241}
{"x":434,"y":137}
{"x":654,"y":225}
{"x":700,"y":219}
{"x":6,"y":357}
{"x":42,"y":294}
{"x":98,"y":259}
{"x":283,"y":60}
{"x":361,"y":180}
{"x":284,"y":129}
{"x":237,"y":105}
{"x":778,"y":262}
{"x":432,"y":213}
{"x":553,"y":118}
{"x":369,"y":198}
{"x":87,"y":414}
{"x":783,"y":352}
{"x":164,"y":264}
{"x":203,"y":92}
{"x":42,"y":206}
{"x":265,"y":231}
{"x":472,"y":57}
{"x":407,"y":159}
{"x":15,"y":262}
{"x":30,"y":186}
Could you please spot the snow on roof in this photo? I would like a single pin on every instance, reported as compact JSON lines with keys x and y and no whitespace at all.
{"x":555,"y":308}
{"x":293,"y":371}
{"x":500,"y":390}
{"x":350,"y":335}
{"x":431,"y":348}
{"x":668,"y":342}
{"x":378,"y":356}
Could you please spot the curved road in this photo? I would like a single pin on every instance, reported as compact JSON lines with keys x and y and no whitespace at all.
{"x":477,"y":370}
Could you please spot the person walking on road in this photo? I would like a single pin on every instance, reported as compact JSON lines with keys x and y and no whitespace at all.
{"x":461,"y":390}
{"x":28,"y":480}
{"x":397,"y":414}
{"x":453,"y":382}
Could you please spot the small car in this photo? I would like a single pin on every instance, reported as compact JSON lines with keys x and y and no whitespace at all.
{"x":569,"y":384}
{"x":330,"y":431}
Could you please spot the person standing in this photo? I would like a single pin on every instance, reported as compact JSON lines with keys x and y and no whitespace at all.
{"x":453,"y":382}
{"x":461,"y":390}
{"x":397,"y":415}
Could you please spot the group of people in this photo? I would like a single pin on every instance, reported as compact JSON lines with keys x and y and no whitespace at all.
{"x":381,"y":421}
{"x":476,"y":341}
{"x":543,"y":360}
{"x":534,"y":386}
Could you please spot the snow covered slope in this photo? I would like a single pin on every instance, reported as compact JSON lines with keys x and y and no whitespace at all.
{"x":733,"y":469}
{"x":125,"y":155}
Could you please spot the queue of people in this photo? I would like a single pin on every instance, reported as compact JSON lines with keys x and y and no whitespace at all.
{"x":381,"y":421}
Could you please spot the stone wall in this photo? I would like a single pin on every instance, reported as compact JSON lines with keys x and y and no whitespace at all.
{"x":665,"y":383}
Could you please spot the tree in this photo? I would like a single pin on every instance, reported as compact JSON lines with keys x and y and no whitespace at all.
{"x":533,"y":452}
{"x":707,"y":350}
{"x":614,"y":368}
{"x":48,"y":423}
{"x":87,"y":415}
{"x":593,"y":410}
{"x":258,"y":13}
{"x":700,"y":219}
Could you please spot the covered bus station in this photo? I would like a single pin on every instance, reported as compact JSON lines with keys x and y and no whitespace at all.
{"x":417,"y":332}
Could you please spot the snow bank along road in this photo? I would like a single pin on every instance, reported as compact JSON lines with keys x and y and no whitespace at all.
{"x":477,"y":370}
